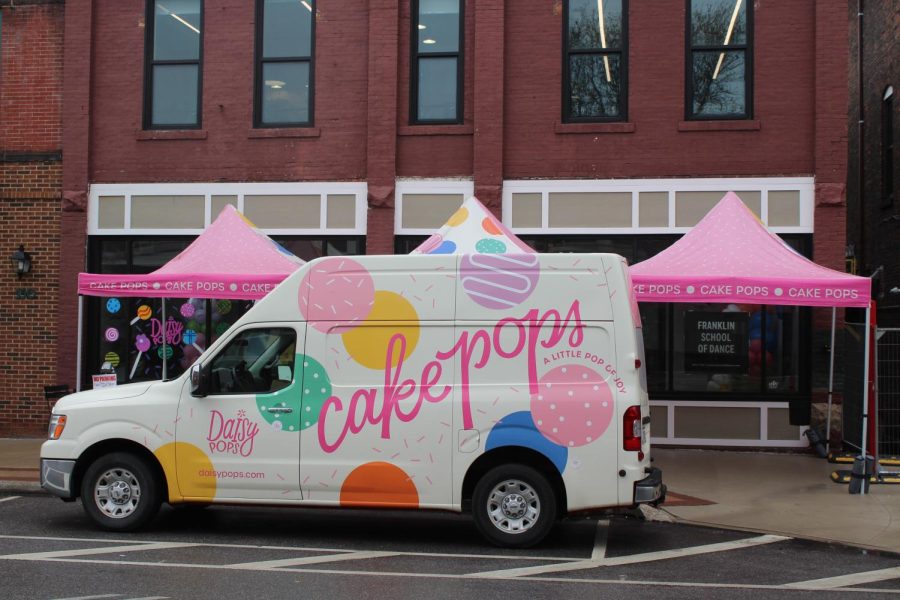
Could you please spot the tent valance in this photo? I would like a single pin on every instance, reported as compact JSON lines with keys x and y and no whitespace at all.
{"x":230,"y":259}
{"x":730,"y":256}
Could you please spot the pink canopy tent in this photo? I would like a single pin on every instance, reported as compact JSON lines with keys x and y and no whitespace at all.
{"x":730,"y":256}
{"x":230,"y":259}
{"x":473,"y":229}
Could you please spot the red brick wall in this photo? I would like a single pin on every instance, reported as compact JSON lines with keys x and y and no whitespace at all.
{"x":30,"y":191}
{"x":29,"y":215}
{"x":228,"y":153}
{"x":31,"y":77}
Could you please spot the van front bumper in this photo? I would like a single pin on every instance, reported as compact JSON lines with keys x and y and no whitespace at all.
{"x":56,"y":477}
{"x":650,"y":489}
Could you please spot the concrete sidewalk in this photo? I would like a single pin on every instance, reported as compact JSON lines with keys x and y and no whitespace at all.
{"x":787,"y":494}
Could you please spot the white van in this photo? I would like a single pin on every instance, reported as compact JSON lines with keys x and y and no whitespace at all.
{"x":510,"y":386}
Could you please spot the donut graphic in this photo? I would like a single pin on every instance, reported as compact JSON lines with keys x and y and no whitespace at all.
{"x":573,"y":406}
{"x":499,"y":281}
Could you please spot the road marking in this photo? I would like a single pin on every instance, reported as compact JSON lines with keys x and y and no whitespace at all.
{"x":266,"y":565}
{"x":91,"y":597}
{"x":528,"y":581}
{"x":523,"y":557}
{"x":7,"y":499}
{"x":600,"y":540}
{"x":845,"y":580}
{"x":88,"y":551}
{"x":631,"y":559}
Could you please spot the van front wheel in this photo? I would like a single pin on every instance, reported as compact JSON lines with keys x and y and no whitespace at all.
{"x":514,"y":506}
{"x":120,"y":492}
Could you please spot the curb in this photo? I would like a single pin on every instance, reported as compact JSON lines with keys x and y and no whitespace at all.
{"x":21,"y":488}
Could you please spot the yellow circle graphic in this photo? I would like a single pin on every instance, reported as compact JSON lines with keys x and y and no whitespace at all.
{"x":459,"y":217}
{"x":188,"y":470}
{"x":391,"y":314}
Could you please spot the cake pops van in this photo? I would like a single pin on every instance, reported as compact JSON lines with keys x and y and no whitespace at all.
{"x":507,"y":386}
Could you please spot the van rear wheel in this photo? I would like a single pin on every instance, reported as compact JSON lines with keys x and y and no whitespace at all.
{"x":514,"y":506}
{"x":120,"y":492}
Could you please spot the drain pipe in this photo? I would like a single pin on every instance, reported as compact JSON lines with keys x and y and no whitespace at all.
{"x":860,"y":163}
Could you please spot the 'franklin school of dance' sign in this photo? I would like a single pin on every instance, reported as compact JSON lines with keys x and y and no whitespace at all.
{"x":716,"y":341}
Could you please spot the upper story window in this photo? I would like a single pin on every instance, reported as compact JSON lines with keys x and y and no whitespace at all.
{"x":173,"y":57}
{"x":719,"y":59}
{"x":284,"y":63}
{"x":594,"y":73}
{"x":437,"y":65}
{"x":887,"y":148}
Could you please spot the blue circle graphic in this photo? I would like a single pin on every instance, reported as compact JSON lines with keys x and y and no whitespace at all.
{"x":517,"y":429}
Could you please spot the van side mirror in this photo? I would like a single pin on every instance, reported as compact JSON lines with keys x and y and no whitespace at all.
{"x":199,"y":381}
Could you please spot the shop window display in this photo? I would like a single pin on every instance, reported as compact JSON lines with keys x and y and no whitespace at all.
{"x":126,"y":334}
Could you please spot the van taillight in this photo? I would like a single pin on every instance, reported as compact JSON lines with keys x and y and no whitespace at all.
{"x":631,"y":440}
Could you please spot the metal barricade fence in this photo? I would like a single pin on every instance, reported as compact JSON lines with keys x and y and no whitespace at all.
{"x":887,"y":349}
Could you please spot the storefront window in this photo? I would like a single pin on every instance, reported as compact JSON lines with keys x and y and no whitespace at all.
{"x":127,"y":334}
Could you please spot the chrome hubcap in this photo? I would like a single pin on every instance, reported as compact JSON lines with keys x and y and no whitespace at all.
{"x":117,"y":493}
{"x":513,"y":506}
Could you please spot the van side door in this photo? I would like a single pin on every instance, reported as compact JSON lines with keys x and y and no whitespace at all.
{"x":242,"y":440}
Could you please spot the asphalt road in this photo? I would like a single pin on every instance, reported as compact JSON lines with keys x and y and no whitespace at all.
{"x":49,"y":550}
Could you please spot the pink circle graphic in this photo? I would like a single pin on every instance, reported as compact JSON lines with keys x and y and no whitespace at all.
{"x":111,"y":334}
{"x":336,"y":289}
{"x":499,"y":281}
{"x":573,"y":406}
{"x":142,"y":343}
{"x":187,"y":310}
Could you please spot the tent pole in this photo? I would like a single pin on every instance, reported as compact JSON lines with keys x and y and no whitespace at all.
{"x":865,"y":402}
{"x":830,"y":382}
{"x":79,"y":337}
{"x":164,"y":353}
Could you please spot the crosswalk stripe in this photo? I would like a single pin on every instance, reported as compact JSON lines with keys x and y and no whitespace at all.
{"x":631,"y":559}
{"x":600,"y":540}
{"x":309,"y":560}
{"x":846,"y":580}
{"x":99,"y":550}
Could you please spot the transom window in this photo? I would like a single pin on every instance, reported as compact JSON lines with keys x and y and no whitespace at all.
{"x":284,"y":63}
{"x":437,"y":66}
{"x":173,"y":58}
{"x":719,"y":70}
{"x":594,"y":72}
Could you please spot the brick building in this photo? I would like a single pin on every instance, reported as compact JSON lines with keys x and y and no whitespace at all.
{"x":873,"y":209}
{"x":359,"y":127}
{"x":31,"y":72}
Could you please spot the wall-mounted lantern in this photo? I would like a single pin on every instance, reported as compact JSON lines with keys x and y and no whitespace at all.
{"x":21,"y":261}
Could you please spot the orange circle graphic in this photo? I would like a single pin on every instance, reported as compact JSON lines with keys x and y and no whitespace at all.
{"x":379,"y":484}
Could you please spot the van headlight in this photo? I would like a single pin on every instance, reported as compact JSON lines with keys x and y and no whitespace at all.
{"x":57,"y":424}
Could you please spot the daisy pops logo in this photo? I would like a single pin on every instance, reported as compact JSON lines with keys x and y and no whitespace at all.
{"x":231,"y":435}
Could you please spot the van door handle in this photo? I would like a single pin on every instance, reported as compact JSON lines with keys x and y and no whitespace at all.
{"x":280,"y":409}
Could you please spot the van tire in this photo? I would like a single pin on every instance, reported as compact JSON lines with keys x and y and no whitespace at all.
{"x":120,"y":492}
{"x":514,"y":506}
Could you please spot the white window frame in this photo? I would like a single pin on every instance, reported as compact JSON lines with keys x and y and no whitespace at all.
{"x":208,"y":190}
{"x":764,"y":185}
{"x":464,"y":186}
